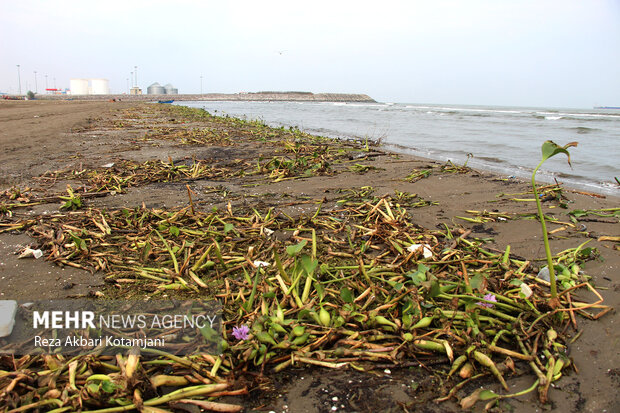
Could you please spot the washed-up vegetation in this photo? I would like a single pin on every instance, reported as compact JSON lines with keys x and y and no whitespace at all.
{"x":351,"y":284}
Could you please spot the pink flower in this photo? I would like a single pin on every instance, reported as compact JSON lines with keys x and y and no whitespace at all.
{"x":241,"y":332}
{"x":488,"y":297}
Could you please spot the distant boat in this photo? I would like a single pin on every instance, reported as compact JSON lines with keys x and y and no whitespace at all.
{"x":606,"y":107}
{"x":165,"y":101}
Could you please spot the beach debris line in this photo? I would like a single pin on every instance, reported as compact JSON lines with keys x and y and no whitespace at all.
{"x":344,"y":289}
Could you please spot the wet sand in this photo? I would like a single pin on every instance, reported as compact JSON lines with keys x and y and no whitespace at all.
{"x":41,"y":136}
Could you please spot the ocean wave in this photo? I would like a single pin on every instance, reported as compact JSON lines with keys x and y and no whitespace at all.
{"x":580,"y":116}
{"x":490,"y":159}
{"x":553,"y":117}
{"x":583,"y":129}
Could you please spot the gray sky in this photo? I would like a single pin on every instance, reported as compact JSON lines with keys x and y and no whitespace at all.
{"x":563,"y":53}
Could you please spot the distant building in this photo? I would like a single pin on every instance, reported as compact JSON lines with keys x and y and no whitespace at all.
{"x":171,"y":90}
{"x":89,"y":87}
{"x":135,"y":91}
{"x":157,"y":89}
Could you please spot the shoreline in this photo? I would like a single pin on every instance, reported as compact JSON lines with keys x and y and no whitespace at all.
{"x":569,"y":177}
{"x":46,"y":136}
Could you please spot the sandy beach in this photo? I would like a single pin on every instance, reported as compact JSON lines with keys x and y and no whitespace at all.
{"x":44,"y":143}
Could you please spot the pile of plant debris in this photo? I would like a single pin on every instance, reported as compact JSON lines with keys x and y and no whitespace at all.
{"x":350,"y":285}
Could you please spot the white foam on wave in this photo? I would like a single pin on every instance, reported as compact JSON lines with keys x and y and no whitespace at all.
{"x":580,"y":115}
{"x":553,"y":117}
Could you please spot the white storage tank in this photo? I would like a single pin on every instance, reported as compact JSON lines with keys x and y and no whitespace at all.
{"x":100,"y":86}
{"x":155,"y":89}
{"x":78,"y":86}
{"x":171,"y":90}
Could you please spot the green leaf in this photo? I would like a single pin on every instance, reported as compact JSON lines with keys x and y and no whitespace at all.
{"x":79,"y":242}
{"x":578,"y":213}
{"x":346,"y":295}
{"x":228,"y":227}
{"x":174,"y":231}
{"x":419,"y":276}
{"x":550,"y":148}
{"x":434,"y":291}
{"x":308,"y":264}
{"x":476,"y":281}
{"x":293,"y":250}
{"x":320,"y":290}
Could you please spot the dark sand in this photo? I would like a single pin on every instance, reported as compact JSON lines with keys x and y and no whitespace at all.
{"x":41,"y":136}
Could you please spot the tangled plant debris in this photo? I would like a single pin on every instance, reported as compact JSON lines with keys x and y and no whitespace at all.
{"x":356,"y":284}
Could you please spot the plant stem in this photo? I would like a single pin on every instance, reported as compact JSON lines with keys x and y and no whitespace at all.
{"x":554,"y":292}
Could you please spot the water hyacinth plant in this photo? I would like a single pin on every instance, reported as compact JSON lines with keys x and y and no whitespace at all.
{"x":549,"y":149}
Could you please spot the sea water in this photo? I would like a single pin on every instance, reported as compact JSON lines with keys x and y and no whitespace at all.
{"x":505,"y":140}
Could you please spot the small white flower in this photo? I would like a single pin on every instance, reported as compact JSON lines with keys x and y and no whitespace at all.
{"x":259,"y":264}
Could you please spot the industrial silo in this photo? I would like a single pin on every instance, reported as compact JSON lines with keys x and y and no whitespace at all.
{"x":171,"y":90}
{"x":100,"y":86}
{"x":156,"y":89}
{"x":78,"y":86}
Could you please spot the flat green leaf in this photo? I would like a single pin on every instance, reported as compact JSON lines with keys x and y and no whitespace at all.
{"x":434,"y":291}
{"x":476,"y":281}
{"x":308,"y":264}
{"x":228,"y":227}
{"x":419,"y":276}
{"x":346,"y":295}
{"x":174,"y":231}
{"x":293,"y":250}
{"x":578,"y":213}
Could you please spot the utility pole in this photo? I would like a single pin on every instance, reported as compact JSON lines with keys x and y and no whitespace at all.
{"x":135,"y":70}
{"x":36,"y":87}
{"x":19,"y":80}
{"x":132,"y":82}
{"x":200,"y":84}
{"x":46,"y":83}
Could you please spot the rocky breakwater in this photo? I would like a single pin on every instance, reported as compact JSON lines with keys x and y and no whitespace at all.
{"x":243,"y":96}
{"x":291,"y":96}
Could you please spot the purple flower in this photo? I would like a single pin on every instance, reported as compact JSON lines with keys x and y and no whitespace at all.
{"x":488,"y":297}
{"x":241,"y":332}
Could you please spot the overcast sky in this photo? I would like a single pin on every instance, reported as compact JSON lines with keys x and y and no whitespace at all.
{"x":563,"y":53}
